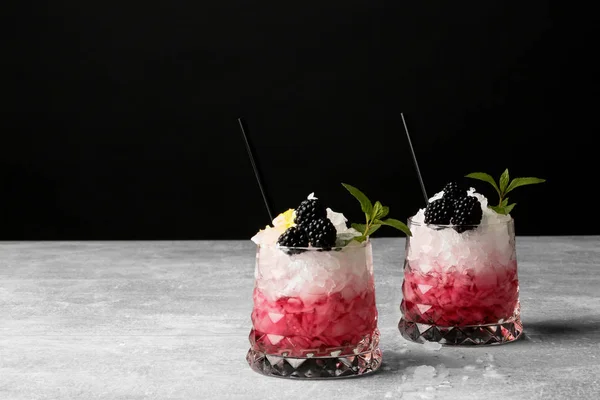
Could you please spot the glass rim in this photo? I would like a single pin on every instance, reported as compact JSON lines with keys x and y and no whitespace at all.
{"x":319,"y":249}
{"x":499,"y":223}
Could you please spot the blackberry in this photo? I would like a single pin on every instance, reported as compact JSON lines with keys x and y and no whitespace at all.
{"x":439,"y":212}
{"x":321,"y":233}
{"x":293,"y":237}
{"x":467,"y":211}
{"x":309,"y":210}
{"x":454,"y":191}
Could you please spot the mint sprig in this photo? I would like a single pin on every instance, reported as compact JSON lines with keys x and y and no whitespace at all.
{"x":503,"y":187}
{"x":374,"y":214}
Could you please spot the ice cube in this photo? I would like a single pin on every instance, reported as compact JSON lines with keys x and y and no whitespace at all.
{"x":326,"y":261}
{"x":424,"y":372}
{"x":424,"y":288}
{"x":463,"y":251}
{"x":435,"y":346}
{"x":491,"y":373}
{"x":426,"y":248}
{"x":425,"y":267}
{"x":339,"y":222}
{"x":437,"y":196}
{"x":268,"y":236}
{"x":295,"y":286}
{"x":348,"y":292}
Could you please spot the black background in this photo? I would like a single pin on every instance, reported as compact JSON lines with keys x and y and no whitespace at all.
{"x":120,"y":122}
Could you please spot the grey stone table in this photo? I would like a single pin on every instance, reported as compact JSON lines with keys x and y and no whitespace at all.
{"x":170,"y":320}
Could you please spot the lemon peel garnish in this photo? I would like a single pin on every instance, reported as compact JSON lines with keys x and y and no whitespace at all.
{"x":285,"y":219}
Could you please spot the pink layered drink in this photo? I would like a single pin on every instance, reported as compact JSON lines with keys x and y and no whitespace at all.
{"x":314,"y":312}
{"x":460,"y":295}
{"x":460,"y":282}
{"x":314,"y":304}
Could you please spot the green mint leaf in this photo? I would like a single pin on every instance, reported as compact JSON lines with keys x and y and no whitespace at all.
{"x":384,"y":212}
{"x":504,"y":202}
{"x":377,"y":209}
{"x":522,"y":182}
{"x":360,"y":239}
{"x":342,"y":243}
{"x":372,"y":229}
{"x":482,"y":176}
{"x":394,"y":223}
{"x":504,"y":179}
{"x":365,"y":203}
{"x":498,"y":209}
{"x":360,"y":227}
{"x":509,"y":208}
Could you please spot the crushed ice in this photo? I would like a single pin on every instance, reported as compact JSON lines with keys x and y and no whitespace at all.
{"x":424,"y":382}
{"x":424,"y":373}
{"x":322,"y":272}
{"x":490,"y":372}
{"x":339,"y":222}
{"x":491,"y":237}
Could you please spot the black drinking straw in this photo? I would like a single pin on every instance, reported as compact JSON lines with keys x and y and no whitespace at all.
{"x":255,"y":168}
{"x":415,"y":160}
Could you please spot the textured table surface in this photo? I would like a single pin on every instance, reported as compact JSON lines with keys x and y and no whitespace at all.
{"x":170,"y":320}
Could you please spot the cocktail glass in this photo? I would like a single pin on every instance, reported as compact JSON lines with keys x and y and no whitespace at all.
{"x":314,"y":312}
{"x":461,"y":288}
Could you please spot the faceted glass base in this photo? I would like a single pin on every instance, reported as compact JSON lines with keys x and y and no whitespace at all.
{"x":315,"y":367}
{"x":490,"y":334}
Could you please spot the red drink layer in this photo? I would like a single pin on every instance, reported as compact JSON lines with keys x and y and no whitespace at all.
{"x":451,"y":296}
{"x":313,"y":325}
